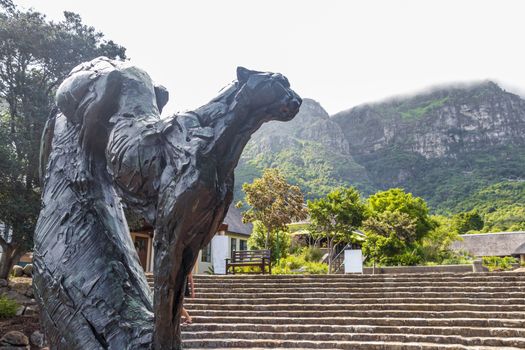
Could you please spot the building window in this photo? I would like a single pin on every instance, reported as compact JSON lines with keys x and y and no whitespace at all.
{"x":206,"y":253}
{"x":233,"y":245}
{"x":243,"y":244}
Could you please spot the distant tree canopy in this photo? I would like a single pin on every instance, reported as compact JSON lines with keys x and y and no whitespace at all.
{"x":395,"y":228}
{"x":273,"y":202}
{"x":465,"y":222}
{"x":391,"y":237}
{"x":35,"y":56}
{"x":278,"y":242}
{"x":393,"y":223}
{"x":399,"y":229}
{"x":397,"y":200}
{"x":335,"y":216}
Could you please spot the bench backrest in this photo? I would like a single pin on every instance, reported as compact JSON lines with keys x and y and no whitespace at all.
{"x":250,"y":255}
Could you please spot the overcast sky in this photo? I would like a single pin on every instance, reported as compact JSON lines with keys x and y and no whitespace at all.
{"x":340,"y":53}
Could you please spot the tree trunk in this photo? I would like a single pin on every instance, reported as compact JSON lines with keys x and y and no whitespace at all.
{"x":330,"y":254}
{"x":10,"y":256}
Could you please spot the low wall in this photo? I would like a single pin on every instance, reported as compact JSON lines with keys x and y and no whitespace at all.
{"x":419,"y":269}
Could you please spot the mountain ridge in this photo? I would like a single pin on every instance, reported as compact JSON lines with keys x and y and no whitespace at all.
{"x":443,"y":144}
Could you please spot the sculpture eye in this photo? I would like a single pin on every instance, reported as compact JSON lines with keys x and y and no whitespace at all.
{"x":282,"y":79}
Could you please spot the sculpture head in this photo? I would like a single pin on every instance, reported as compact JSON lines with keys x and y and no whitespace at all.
{"x":267,"y":95}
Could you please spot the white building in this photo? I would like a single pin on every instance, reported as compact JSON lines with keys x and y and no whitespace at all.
{"x":235,"y":231}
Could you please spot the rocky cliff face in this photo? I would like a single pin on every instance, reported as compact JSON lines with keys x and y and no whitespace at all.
{"x":442,"y":145}
{"x":443,"y":123}
{"x":311,"y":123}
{"x":311,"y":150}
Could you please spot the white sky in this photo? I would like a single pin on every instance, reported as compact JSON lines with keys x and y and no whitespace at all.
{"x":340,"y":53}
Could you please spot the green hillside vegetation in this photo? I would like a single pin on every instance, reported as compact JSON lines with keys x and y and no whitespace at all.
{"x":502,"y":206}
{"x":417,"y":112}
{"x":310,"y":165}
{"x":448,"y":184}
{"x":411,"y":109}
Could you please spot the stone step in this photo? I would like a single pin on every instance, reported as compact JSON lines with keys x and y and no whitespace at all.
{"x":357,"y":277}
{"x":355,"y":290}
{"x":378,"y":321}
{"x":352,"y":284}
{"x":423,"y":311}
{"x":416,"y":277}
{"x":337,"y":307}
{"x":520,"y":283}
{"x":484,"y":276}
{"x":364,"y":294}
{"x":361,"y":337}
{"x":299,"y":328}
{"x":348,"y":283}
{"x":398,"y":346}
{"x":393,"y":288}
{"x":455,"y":314}
{"x":366,"y":300}
{"x":304,"y":344}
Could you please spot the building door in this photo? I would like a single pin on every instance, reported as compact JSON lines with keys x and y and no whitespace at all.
{"x":141,"y":245}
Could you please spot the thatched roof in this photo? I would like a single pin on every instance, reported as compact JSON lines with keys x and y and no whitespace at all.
{"x":492,"y":244}
{"x":234,"y":221}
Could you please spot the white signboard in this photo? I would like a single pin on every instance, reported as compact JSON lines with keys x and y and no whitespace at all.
{"x":219,"y":253}
{"x":353,"y":261}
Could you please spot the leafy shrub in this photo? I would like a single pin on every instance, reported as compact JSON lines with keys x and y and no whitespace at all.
{"x":297,"y":264}
{"x":312,"y":254}
{"x":458,"y":258}
{"x":8,"y":307}
{"x":496,"y":263}
{"x":248,"y":269}
{"x":279,"y":241}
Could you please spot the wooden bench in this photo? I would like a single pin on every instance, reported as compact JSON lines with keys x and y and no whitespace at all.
{"x":242,"y":258}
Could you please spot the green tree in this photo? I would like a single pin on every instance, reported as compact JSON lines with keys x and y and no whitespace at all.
{"x":396,"y":223}
{"x":374,"y":248}
{"x":336,"y":216}
{"x":35,"y":56}
{"x":397,"y":245}
{"x":505,"y":218}
{"x":279,"y":241}
{"x":469,"y":221}
{"x":273,"y":202}
{"x":403,"y":220}
{"x":435,"y":245}
{"x":395,"y":199}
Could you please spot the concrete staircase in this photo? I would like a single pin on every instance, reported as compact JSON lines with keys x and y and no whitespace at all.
{"x":417,"y":311}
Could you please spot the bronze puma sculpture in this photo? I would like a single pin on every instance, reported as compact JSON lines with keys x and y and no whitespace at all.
{"x":109,"y":143}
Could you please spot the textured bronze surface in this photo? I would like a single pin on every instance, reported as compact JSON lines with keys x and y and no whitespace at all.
{"x":110,"y":144}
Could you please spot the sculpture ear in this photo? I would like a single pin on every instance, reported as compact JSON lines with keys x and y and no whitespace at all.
{"x":243,"y":74}
{"x":162,"y":96}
